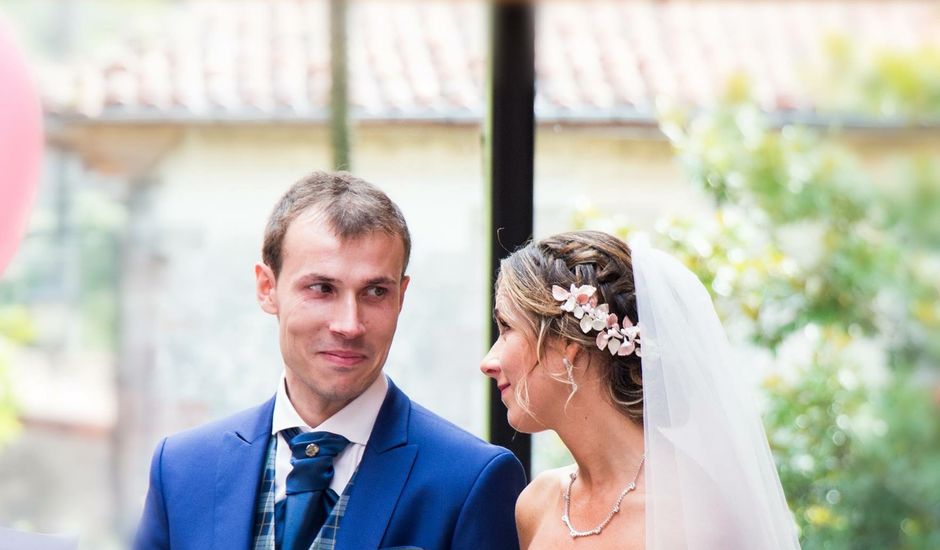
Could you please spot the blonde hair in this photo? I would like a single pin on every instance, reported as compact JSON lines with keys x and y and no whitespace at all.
{"x":580,"y":258}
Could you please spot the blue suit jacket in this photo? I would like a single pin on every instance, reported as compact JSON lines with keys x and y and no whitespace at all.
{"x":422,"y":483}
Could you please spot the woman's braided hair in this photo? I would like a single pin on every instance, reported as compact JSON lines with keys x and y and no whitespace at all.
{"x":580,"y":258}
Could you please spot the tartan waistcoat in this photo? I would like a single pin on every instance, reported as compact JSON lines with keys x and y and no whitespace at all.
{"x":264,"y":510}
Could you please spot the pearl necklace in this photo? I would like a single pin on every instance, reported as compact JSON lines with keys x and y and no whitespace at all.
{"x":566,"y":518}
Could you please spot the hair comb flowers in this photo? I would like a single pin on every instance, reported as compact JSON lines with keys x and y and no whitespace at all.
{"x":582,"y":302}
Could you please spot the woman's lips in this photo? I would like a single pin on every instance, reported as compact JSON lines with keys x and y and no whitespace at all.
{"x":503,"y":388}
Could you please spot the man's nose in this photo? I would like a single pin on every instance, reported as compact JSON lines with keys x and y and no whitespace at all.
{"x":347,"y":320}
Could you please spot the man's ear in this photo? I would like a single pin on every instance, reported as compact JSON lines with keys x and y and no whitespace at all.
{"x":266,"y":288}
{"x":402,"y":288}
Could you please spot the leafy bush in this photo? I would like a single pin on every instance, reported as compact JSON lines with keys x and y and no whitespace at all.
{"x":837,"y":277}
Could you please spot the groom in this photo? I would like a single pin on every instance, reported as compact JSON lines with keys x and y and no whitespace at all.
{"x":339,"y":458}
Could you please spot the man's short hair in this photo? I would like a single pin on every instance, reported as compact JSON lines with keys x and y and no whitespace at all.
{"x":351,"y":206}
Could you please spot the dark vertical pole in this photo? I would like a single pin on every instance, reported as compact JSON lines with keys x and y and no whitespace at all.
{"x":509,"y":136}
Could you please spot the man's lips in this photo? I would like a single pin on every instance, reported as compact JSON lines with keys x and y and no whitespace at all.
{"x":343,"y":357}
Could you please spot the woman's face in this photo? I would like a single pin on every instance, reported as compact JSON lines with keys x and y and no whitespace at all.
{"x":512,"y":359}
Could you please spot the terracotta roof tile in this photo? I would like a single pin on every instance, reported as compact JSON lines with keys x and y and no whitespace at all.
{"x":269,"y":59}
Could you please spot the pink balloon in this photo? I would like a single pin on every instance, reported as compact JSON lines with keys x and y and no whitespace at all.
{"x":21,"y":141}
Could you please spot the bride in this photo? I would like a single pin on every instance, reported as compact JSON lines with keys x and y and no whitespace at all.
{"x":620,"y":352}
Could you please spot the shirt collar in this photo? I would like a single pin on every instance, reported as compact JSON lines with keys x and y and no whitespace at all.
{"x":354,"y":421}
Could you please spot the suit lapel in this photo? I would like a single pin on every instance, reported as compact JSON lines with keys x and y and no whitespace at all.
{"x":238,"y":477}
{"x":381,"y":477}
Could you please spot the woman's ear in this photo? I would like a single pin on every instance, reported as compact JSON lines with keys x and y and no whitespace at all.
{"x":572,"y":350}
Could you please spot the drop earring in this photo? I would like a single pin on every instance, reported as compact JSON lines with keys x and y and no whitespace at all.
{"x":570,"y":369}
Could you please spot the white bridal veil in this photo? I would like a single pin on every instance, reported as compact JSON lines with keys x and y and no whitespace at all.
{"x":711,"y":482}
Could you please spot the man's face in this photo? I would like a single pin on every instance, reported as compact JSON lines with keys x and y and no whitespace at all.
{"x":337,"y":303}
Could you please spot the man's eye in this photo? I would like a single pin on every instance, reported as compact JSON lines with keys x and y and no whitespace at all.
{"x":322,"y":288}
{"x":377,"y":291}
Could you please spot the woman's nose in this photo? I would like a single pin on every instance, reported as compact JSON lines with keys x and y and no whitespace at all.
{"x":490,"y":365}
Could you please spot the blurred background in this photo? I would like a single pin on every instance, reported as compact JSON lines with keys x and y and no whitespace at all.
{"x":788,"y":151}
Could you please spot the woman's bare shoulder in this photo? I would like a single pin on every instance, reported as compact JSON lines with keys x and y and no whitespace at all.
{"x":538,"y":499}
{"x":546,"y":487}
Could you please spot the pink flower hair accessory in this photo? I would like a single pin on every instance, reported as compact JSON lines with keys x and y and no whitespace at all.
{"x":582,"y":302}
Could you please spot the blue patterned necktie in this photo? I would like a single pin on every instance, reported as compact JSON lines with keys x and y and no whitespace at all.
{"x":299,"y":517}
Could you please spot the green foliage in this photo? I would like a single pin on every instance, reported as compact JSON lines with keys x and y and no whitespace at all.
{"x":37,"y":281}
{"x":9,"y":426}
{"x":839,"y":278}
{"x":71,"y":262}
{"x":903,"y":84}
{"x":16,"y":328}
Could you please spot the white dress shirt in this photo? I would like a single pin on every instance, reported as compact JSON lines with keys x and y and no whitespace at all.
{"x":354,"y":422}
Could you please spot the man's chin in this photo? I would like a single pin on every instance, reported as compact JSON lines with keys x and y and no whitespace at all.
{"x":344,"y":392}
{"x":345,"y":383}
{"x":336,"y":382}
